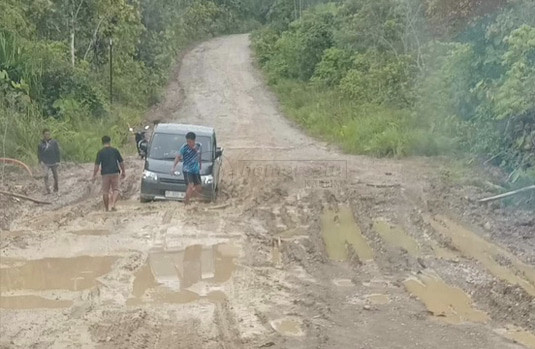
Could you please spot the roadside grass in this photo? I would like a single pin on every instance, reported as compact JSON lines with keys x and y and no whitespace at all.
{"x":79,"y":136}
{"x":359,"y":128}
{"x":386,"y":132}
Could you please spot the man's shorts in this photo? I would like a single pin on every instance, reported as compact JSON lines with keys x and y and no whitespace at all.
{"x":193,"y":178}
{"x":110,"y":181}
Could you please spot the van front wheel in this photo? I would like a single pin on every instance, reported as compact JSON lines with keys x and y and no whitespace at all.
{"x":144,"y":200}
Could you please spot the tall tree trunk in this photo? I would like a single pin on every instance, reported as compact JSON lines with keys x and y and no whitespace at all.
{"x":72,"y":47}
{"x":74,"y":19}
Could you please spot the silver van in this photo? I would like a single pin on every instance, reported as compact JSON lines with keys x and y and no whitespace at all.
{"x":158,"y":183}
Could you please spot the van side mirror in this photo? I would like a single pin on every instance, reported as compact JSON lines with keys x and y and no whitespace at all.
{"x":218,"y":152}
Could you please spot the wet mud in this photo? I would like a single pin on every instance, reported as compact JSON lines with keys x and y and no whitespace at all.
{"x":278,"y":260}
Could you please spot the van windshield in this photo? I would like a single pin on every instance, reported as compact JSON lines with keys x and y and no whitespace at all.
{"x":165,"y":146}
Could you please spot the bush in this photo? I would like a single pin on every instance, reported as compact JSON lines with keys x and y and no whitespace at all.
{"x":298,"y":50}
{"x":264,"y":44}
{"x":380,"y":79}
{"x":333,"y":66}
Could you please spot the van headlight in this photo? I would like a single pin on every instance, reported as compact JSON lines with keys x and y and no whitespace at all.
{"x":209,"y":179}
{"x":150,"y":176}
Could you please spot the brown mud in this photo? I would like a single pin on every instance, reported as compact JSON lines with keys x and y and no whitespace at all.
{"x":305,"y":247}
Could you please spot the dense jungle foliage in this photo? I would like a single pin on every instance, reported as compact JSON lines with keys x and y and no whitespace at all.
{"x":409,"y":77}
{"x":54,"y":64}
{"x":379,"y":77}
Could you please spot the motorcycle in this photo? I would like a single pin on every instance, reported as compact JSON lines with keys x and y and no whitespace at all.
{"x":141,"y":141}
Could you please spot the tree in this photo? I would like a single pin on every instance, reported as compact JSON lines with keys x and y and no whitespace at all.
{"x":449,"y":17}
{"x":302,"y":46}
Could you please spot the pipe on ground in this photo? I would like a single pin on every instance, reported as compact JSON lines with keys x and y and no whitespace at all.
{"x":18,"y":163}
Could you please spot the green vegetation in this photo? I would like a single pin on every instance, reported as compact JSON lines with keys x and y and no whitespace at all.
{"x":380,"y":77}
{"x":409,"y":77}
{"x":54,"y":64}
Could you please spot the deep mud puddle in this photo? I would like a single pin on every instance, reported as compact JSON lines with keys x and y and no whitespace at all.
{"x":397,"y":237}
{"x":69,"y":274}
{"x":73,"y":274}
{"x":341,"y":234}
{"x":446,"y":302}
{"x":498,"y":261}
{"x":343,"y":282}
{"x":288,"y":327}
{"x":32,"y":302}
{"x":184,"y":276}
{"x":518,"y":335}
{"x":378,"y":299}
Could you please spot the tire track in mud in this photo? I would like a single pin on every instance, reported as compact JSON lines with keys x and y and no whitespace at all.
{"x":410,"y":248}
{"x":469,"y":245}
{"x":285,"y":290}
{"x":371,"y":299}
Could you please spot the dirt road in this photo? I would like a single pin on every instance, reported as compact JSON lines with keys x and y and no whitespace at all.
{"x":305,"y":247}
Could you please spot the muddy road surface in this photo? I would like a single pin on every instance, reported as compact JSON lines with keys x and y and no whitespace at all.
{"x":305,"y":247}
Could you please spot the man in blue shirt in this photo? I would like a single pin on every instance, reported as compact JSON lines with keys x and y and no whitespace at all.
{"x":190,"y":154}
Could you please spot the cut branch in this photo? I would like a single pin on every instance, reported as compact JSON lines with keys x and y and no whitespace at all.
{"x":25,"y":197}
{"x":394,"y":185}
{"x":510,"y":193}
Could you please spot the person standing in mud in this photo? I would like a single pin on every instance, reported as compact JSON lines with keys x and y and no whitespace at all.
{"x":48,"y":155}
{"x":111,"y":165}
{"x":190,"y":154}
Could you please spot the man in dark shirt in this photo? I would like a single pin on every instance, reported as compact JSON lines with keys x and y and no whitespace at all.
{"x":48,"y":155}
{"x":109,"y":160}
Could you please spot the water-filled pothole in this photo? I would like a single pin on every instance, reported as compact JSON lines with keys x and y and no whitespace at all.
{"x":341,"y":232}
{"x":378,"y":299}
{"x":343,"y":282}
{"x":73,"y":274}
{"x":70,"y":274}
{"x":288,"y":327}
{"x":32,"y":302}
{"x":518,"y":335}
{"x":184,"y":276}
{"x":396,"y":236}
{"x":491,"y":256}
{"x":449,"y":303}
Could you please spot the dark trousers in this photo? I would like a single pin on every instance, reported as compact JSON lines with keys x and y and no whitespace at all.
{"x":48,"y":169}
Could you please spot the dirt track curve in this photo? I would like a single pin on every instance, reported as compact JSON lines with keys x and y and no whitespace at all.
{"x":305,"y":247}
